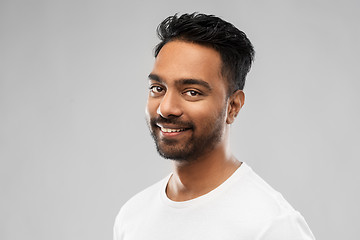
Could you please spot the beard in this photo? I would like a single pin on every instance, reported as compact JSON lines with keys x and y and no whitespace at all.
{"x":203,"y":139}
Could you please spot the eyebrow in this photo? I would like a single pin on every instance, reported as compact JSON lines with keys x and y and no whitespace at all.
{"x":155,"y":77}
{"x":184,"y":81}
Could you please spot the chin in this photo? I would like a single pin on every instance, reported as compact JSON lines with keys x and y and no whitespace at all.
{"x":172,"y":155}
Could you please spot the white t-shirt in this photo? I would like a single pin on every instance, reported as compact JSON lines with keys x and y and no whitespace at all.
{"x":244,"y":207}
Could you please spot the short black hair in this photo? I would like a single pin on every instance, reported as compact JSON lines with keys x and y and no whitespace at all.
{"x":236,"y":51}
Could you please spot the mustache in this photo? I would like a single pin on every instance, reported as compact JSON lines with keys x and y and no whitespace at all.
{"x":160,"y":120}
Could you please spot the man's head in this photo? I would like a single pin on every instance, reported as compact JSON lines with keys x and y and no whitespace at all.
{"x":235,"y":49}
{"x":192,"y":100}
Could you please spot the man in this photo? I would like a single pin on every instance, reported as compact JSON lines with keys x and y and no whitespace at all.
{"x":195,"y":93}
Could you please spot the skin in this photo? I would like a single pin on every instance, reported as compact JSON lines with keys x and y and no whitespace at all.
{"x":205,"y":104}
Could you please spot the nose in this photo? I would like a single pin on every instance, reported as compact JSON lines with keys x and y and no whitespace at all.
{"x":170,"y":105}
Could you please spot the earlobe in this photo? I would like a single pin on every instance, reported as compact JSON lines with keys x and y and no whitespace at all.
{"x":236,"y":101}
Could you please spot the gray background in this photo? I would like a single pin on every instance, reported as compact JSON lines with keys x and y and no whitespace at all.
{"x":74,"y":145}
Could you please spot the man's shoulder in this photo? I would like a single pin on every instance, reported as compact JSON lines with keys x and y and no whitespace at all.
{"x":254,"y":192}
{"x":143,"y":198}
{"x":266,"y":210}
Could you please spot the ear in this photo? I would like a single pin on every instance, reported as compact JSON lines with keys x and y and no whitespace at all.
{"x":236,"y":101}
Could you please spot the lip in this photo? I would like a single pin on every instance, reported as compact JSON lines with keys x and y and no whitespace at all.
{"x":172,"y":131}
{"x":171,"y":126}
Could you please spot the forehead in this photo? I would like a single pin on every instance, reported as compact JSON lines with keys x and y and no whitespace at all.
{"x":179,"y":60}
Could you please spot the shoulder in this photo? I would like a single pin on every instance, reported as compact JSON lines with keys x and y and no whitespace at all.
{"x":142,"y":200}
{"x":145,"y":195}
{"x":279,"y":219}
{"x":255,"y":193}
{"x":290,"y":225}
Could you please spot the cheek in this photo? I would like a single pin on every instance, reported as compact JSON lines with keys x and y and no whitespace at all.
{"x":151,"y":108}
{"x":207,"y":114}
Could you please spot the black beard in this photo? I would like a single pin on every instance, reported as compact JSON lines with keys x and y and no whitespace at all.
{"x":194,"y":148}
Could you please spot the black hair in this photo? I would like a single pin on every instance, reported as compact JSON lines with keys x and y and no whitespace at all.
{"x":235,"y":49}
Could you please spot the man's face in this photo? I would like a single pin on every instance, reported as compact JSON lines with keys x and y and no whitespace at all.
{"x":187,"y":104}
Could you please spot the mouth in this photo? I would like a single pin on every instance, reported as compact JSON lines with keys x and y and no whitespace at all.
{"x":172,"y":130}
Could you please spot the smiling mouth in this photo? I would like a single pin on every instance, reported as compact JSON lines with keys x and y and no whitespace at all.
{"x":171,"y":130}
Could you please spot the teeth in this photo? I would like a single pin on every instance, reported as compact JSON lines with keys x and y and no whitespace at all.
{"x":169,"y":130}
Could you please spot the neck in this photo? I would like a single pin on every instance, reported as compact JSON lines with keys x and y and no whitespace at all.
{"x":194,"y":178}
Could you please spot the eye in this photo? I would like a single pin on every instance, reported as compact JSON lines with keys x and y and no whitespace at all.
{"x":156,"y":89}
{"x":192,"y":93}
